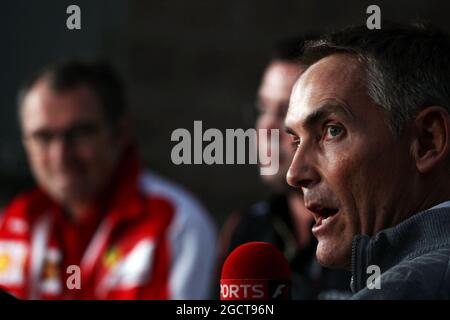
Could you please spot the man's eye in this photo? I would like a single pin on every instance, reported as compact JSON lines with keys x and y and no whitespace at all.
{"x":42,"y":137}
{"x":83,"y":131}
{"x":295,"y":142}
{"x":333,"y":131}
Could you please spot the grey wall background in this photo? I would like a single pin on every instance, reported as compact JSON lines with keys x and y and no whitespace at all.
{"x":182,"y":61}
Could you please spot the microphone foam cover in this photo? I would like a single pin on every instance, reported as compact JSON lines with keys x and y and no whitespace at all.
{"x":256,"y":260}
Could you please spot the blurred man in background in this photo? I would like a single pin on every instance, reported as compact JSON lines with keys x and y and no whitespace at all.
{"x":97,"y":226}
{"x":283,"y":219}
{"x":371,"y":121}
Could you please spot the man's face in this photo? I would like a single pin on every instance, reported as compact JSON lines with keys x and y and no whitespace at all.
{"x":273,"y":101}
{"x":350,"y":167}
{"x":69,"y":144}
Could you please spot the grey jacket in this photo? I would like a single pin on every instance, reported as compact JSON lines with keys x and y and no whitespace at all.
{"x":413,"y":258}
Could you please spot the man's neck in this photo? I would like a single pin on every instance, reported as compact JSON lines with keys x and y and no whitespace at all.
{"x":432,"y":193}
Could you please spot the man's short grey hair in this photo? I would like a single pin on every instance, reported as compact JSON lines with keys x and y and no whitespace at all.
{"x":407,"y":66}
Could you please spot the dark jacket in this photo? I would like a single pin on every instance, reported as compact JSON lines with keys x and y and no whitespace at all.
{"x":413,"y":258}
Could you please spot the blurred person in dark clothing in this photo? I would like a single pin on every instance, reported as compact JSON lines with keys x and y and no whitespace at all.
{"x":283,"y":219}
{"x":97,"y":226}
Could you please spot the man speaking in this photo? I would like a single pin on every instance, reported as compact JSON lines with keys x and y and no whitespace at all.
{"x":370,"y":118}
{"x":98,"y":226}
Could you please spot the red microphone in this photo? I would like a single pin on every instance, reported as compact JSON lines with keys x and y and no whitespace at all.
{"x":255,"y":271}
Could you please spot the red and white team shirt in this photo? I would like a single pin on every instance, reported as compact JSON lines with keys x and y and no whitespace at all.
{"x":147,"y":238}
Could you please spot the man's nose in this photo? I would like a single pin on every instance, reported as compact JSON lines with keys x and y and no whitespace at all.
{"x":302,"y":172}
{"x":270,"y":120}
{"x":60,"y":150}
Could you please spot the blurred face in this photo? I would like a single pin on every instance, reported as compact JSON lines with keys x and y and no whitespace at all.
{"x":70,"y":146}
{"x":273,"y":101}
{"x":351,"y":170}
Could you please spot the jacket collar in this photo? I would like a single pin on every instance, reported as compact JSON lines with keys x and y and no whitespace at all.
{"x":419,"y":234}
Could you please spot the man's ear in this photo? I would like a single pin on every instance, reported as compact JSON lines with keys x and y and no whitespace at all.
{"x":430,"y":144}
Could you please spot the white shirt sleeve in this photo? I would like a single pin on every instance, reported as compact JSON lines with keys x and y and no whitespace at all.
{"x":193,"y":241}
{"x":193,"y":246}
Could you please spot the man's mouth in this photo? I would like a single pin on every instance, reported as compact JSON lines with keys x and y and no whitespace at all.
{"x":324,"y":216}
